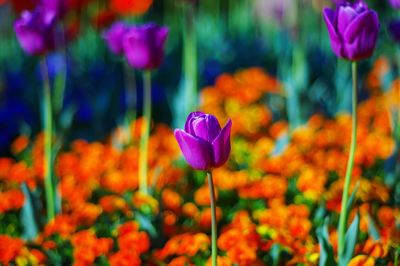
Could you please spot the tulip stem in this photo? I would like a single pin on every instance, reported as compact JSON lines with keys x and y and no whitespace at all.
{"x":213,"y":220}
{"x":144,"y":142}
{"x":343,"y":212}
{"x":47,"y":125}
{"x":130,"y":99}
{"x":190,"y":58}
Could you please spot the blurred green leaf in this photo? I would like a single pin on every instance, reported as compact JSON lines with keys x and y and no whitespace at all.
{"x":351,"y":241}
{"x":326,"y":257}
{"x":28,"y":215}
{"x":372,"y":230}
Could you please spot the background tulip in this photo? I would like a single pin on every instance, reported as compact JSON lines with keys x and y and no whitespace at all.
{"x":144,"y":46}
{"x":114,"y":37}
{"x":395,"y":3}
{"x":35,"y":31}
{"x":353,"y":30}
{"x":203,"y":143}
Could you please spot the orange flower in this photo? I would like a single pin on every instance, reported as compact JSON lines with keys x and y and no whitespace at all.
{"x":5,"y":166}
{"x":125,"y":258}
{"x":205,"y":217}
{"x":221,"y":261}
{"x":387,"y":216}
{"x":375,"y":249}
{"x":129,"y":238}
{"x":112,"y":203}
{"x":145,"y":202}
{"x":39,"y":256}
{"x":190,"y":210}
{"x":171,"y":200}
{"x":202,"y":196}
{"x":180,"y":261}
{"x":87,"y":247}
{"x":131,"y":7}
{"x":11,"y":200}
{"x":10,"y":248}
{"x":362,"y":260}
{"x":19,"y":144}
{"x":62,"y":225}
{"x":184,"y":244}
{"x":86,"y":213}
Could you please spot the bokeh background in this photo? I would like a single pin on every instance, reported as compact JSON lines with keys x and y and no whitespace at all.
{"x":287,"y":38}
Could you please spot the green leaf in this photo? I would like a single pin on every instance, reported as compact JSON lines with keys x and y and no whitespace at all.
{"x":326,"y":257}
{"x":275,"y":254}
{"x":28,"y":215}
{"x":351,"y":202}
{"x":372,"y":230}
{"x":351,"y":241}
{"x":146,"y":224}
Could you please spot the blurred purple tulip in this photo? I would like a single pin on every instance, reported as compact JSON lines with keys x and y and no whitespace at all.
{"x":114,"y":37}
{"x":203,"y":143}
{"x":353,"y":30}
{"x":144,"y":46}
{"x":394,"y":29}
{"x":57,"y":8}
{"x":395,"y":3}
{"x":35,"y":31}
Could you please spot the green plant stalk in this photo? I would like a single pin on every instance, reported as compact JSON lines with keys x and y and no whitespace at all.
{"x":61,"y":77}
{"x":343,"y":212}
{"x":213,"y":220}
{"x":48,"y":128}
{"x":144,"y":142}
{"x":130,"y":96}
{"x":190,"y":58}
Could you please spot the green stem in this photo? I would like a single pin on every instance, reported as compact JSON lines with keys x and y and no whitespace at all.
{"x":130,"y":98}
{"x":350,"y":164}
{"x":144,"y":142}
{"x":190,"y":58}
{"x":213,"y":220}
{"x":47,"y":124}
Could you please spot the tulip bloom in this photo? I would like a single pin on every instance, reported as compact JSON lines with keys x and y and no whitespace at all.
{"x":144,"y":46}
{"x":395,"y":3}
{"x":353,"y":30}
{"x":114,"y":37}
{"x":203,"y":143}
{"x":35,"y":31}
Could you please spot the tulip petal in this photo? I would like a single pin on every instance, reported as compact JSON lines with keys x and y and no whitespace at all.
{"x":161,"y":36}
{"x":206,"y":127}
{"x":361,"y":35}
{"x":192,"y":116}
{"x":196,"y":151}
{"x":222,"y":145}
{"x":346,"y":14}
{"x":30,"y":39}
{"x":335,"y":38}
{"x":137,"y":51}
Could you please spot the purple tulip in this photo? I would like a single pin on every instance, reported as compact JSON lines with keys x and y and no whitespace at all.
{"x":144,"y":46}
{"x":395,"y":3}
{"x":114,"y":37}
{"x":35,"y":31}
{"x":58,"y":8}
{"x":394,"y":29}
{"x":353,"y":30}
{"x":203,"y":143}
